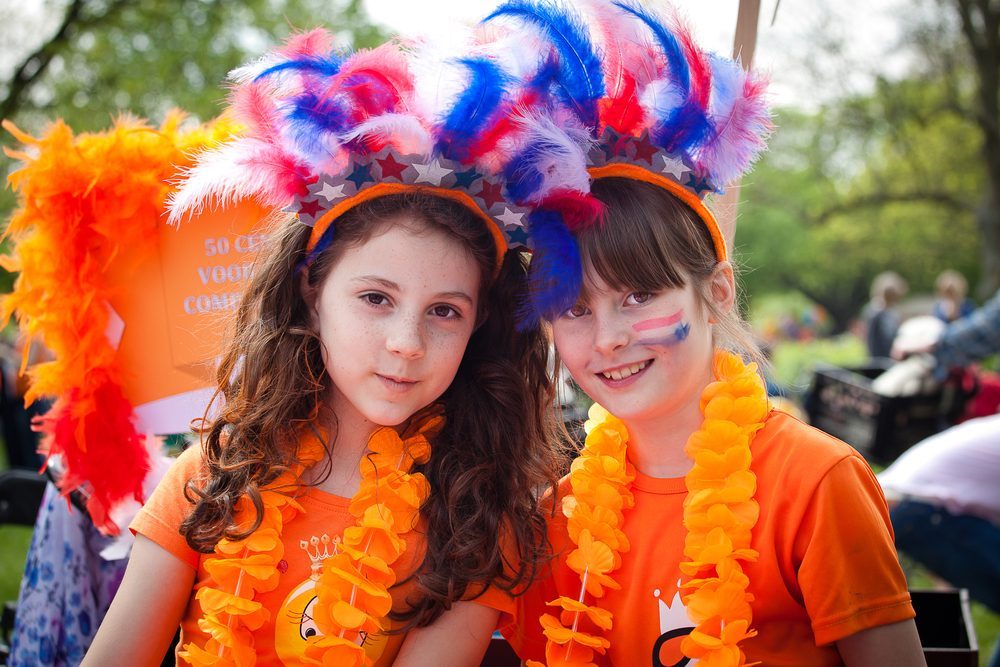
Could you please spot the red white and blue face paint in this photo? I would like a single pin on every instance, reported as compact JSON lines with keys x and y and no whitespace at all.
{"x":663,"y":331}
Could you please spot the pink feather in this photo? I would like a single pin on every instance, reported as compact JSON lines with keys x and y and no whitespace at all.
{"x":698,"y":64}
{"x":404,"y":132}
{"x":254,"y":106}
{"x":564,"y":165}
{"x":317,"y":41}
{"x":241,"y":169}
{"x":630,"y":64}
{"x":386,"y":63}
{"x":741,"y":120}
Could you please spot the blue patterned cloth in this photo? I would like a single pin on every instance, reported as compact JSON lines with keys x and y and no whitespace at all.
{"x":66,"y":589}
{"x":970,"y":338}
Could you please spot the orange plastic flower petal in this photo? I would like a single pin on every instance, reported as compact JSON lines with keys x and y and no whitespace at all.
{"x":556,"y":633}
{"x":601,"y":617}
{"x":569,"y":655}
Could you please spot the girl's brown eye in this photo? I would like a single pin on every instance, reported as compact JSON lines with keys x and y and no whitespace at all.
{"x":640,"y":297}
{"x":446,"y":312}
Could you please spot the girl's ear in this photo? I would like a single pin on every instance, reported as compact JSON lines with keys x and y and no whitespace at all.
{"x":309,"y":295}
{"x":722,"y":287}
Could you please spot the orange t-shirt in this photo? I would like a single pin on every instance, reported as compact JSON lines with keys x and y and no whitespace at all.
{"x":281,"y":640}
{"x":827,"y":566}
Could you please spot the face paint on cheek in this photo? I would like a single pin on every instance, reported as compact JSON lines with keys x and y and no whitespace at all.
{"x":659,"y":322}
{"x":669,"y":338}
{"x":676,"y":337}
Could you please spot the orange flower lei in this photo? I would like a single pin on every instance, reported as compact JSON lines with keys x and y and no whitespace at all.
{"x":719,"y":513}
{"x":352,"y":591}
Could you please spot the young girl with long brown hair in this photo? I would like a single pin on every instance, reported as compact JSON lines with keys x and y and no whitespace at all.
{"x":364,"y":495}
{"x":698,"y":525}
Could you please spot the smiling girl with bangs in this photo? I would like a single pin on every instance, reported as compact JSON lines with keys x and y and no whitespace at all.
{"x":698,"y":525}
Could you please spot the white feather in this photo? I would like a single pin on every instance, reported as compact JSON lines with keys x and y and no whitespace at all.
{"x":629,"y":37}
{"x":564,"y":165}
{"x":519,"y":53}
{"x":660,"y":98}
{"x":221,"y":177}
{"x":727,"y":86}
{"x":405,"y":132}
{"x":247,"y":73}
{"x":438,"y":78}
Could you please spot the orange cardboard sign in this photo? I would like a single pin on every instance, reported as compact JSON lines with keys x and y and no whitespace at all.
{"x":173,"y":310}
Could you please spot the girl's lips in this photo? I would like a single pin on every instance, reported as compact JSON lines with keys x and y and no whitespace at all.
{"x":395,"y":384}
{"x":624,"y":382}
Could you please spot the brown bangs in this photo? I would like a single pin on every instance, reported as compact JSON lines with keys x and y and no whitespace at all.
{"x":648,"y":240}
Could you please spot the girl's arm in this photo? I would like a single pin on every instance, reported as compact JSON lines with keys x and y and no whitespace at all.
{"x":458,"y":638}
{"x":892,"y":645}
{"x":146,"y":610}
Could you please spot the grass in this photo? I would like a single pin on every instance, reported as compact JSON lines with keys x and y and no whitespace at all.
{"x":14,"y":542}
{"x":793,"y":361}
{"x":987,"y":631}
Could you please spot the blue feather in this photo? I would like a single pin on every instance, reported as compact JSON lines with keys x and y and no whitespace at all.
{"x":687,"y":125}
{"x":474,"y":107}
{"x":546,"y":76}
{"x":521,"y":173}
{"x":680,"y":74}
{"x":556,"y":268}
{"x":581,"y":79}
{"x":683,"y":129}
{"x":328,"y":65}
{"x":325,"y":241}
{"x":310,"y":117}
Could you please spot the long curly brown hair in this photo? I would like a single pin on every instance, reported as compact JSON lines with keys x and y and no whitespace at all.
{"x":490,"y":462}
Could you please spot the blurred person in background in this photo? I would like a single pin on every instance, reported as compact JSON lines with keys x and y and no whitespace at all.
{"x":945,"y":491}
{"x":952,"y":303}
{"x":880,"y":316}
{"x":15,"y":420}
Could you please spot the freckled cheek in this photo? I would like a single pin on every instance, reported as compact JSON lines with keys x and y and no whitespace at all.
{"x":447,"y":344}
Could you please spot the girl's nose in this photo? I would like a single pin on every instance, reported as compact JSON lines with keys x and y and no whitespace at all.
{"x":612,"y":334}
{"x":405,"y":338}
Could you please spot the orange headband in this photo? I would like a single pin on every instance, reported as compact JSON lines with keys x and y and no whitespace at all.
{"x":383,"y":189}
{"x":635,"y":172}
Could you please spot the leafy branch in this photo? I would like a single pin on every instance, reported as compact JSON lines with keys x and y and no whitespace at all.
{"x":33,"y":67}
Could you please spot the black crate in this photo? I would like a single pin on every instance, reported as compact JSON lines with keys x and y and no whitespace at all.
{"x":842,"y":403}
{"x":945,"y":627}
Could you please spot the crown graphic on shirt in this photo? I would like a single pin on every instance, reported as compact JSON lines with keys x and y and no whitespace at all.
{"x":673,"y":615}
{"x":318,"y":550}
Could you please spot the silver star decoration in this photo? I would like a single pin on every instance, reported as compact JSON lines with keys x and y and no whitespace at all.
{"x":509,"y":217}
{"x":673,"y":166}
{"x":431,"y":173}
{"x":330,"y":193}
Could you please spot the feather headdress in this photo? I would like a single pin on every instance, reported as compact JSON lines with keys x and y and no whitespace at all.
{"x":640,"y":100}
{"x":327,"y":130}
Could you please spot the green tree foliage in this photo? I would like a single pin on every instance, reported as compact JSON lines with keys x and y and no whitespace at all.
{"x":105,"y":57}
{"x":898,"y":177}
{"x":830,"y":206}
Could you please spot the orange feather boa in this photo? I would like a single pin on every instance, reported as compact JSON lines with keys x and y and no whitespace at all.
{"x":84,"y":202}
